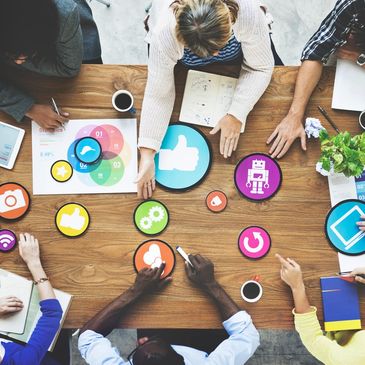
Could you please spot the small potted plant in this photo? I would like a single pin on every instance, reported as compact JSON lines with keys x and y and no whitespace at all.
{"x":341,"y":154}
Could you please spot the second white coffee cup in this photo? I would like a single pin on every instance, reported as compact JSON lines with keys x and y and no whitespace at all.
{"x":122,"y":101}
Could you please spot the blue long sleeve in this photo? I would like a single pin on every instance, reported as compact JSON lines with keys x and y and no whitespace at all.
{"x":35,"y":350}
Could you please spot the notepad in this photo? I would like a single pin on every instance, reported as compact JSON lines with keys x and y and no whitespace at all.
{"x":17,"y":286}
{"x":28,"y":293}
{"x":341,"y":307}
{"x":207,"y":98}
{"x":348,"y":90}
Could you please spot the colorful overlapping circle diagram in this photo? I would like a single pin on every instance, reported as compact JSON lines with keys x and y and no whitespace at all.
{"x":116,"y":155}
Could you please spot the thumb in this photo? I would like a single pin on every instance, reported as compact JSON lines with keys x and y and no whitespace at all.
{"x":215,"y":129}
{"x":182,"y":142}
{"x":303,"y":140}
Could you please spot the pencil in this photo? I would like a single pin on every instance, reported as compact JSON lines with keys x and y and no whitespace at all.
{"x":330,"y":121}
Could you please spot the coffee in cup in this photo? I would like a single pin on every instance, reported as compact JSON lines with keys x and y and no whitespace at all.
{"x":251,"y":291}
{"x":122,"y":101}
{"x":362,"y":119}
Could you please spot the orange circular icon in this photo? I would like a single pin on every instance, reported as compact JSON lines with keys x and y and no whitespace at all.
{"x":216,"y":201}
{"x":14,"y":201}
{"x":150,"y":254}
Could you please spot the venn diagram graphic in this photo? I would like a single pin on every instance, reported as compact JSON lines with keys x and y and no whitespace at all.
{"x":116,"y":155}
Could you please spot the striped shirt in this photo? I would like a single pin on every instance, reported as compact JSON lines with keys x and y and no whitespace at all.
{"x":347,"y":17}
{"x":229,"y":52}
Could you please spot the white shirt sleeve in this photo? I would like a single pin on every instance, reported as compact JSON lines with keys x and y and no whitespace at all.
{"x":243,"y":341}
{"x":252,"y":30}
{"x":98,"y":350}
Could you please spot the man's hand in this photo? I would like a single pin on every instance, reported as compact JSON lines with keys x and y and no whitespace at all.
{"x":357,"y":272}
{"x":291,"y":273}
{"x":146,"y":183}
{"x":9,"y":305}
{"x":148,"y":280}
{"x":202,"y":272}
{"x":230,"y":128}
{"x":46,"y":117}
{"x":287,"y":131}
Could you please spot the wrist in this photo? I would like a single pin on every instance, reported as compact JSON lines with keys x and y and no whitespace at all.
{"x":211,"y":287}
{"x":136,"y":292}
{"x":298,"y":288}
{"x":296,"y":114}
{"x":147,"y":152}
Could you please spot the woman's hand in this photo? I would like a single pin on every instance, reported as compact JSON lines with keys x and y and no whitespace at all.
{"x":361,"y":224}
{"x":29,"y":250}
{"x":357,"y":272}
{"x":291,"y":273}
{"x":9,"y":305}
{"x":146,"y":174}
{"x":230,"y":128}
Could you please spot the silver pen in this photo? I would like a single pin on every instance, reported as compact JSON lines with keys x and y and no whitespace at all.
{"x":55,"y":106}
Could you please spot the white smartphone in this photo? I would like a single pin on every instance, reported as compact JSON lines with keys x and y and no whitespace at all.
{"x":10,"y":141}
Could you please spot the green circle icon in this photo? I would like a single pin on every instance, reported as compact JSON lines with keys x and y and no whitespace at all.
{"x":151,"y":217}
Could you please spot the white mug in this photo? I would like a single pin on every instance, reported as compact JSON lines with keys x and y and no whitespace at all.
{"x":129,"y":108}
{"x":362,"y":120}
{"x":252,"y":300}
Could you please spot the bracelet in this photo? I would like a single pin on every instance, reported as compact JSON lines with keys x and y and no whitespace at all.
{"x":40,"y":281}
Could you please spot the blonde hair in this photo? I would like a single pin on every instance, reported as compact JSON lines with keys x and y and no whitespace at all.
{"x":204,"y":26}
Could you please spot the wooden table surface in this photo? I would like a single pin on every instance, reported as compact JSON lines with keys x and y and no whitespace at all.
{"x":98,"y":266}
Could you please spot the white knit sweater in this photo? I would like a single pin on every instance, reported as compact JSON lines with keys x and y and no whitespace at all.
{"x":250,"y":29}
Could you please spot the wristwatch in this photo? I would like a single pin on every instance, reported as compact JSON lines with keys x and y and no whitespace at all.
{"x":361,"y":60}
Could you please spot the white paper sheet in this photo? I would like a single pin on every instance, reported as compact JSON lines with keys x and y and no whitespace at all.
{"x":349,"y":263}
{"x":207,"y":98}
{"x":341,"y":188}
{"x":348,"y":91}
{"x":115,"y":173}
{"x":14,"y":285}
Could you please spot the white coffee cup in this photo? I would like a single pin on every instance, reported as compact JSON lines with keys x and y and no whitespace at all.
{"x":216,"y":201}
{"x":251,"y":299}
{"x":124,"y":108}
{"x":362,"y":119}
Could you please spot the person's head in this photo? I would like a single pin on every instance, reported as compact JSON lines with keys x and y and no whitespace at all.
{"x":28,"y":29}
{"x":155,"y":351}
{"x":205,"y":26}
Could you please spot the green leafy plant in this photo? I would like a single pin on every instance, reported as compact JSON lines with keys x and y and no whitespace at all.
{"x":342,"y":153}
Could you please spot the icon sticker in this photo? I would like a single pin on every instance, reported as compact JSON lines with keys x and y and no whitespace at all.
{"x":8,"y":240}
{"x":341,"y":229}
{"x":254,"y":242}
{"x":151,"y":254}
{"x":88,"y":150}
{"x":72,"y":220}
{"x":184,"y":159}
{"x":151,"y":217}
{"x":258,"y":177}
{"x":61,"y":171}
{"x":14,"y":201}
{"x":216,"y":201}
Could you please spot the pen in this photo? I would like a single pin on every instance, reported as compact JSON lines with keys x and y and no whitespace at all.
{"x":347,"y":273}
{"x":330,"y":121}
{"x":55,"y":106}
{"x":183,"y":255}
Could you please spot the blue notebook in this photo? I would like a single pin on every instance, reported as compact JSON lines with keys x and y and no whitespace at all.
{"x":341,"y":307}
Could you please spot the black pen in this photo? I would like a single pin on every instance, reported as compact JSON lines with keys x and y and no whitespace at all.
{"x":347,"y":273}
{"x":330,"y":121}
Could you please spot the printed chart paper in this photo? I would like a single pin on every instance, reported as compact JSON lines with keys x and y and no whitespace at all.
{"x":207,"y":98}
{"x":115,"y":172}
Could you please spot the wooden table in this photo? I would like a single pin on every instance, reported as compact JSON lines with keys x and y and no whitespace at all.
{"x":98,"y":266}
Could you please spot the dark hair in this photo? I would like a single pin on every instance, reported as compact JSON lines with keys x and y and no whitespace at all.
{"x":161,"y":354}
{"x":29,"y":28}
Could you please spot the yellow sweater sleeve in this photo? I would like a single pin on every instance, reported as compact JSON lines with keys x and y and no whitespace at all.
{"x":321,"y":347}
